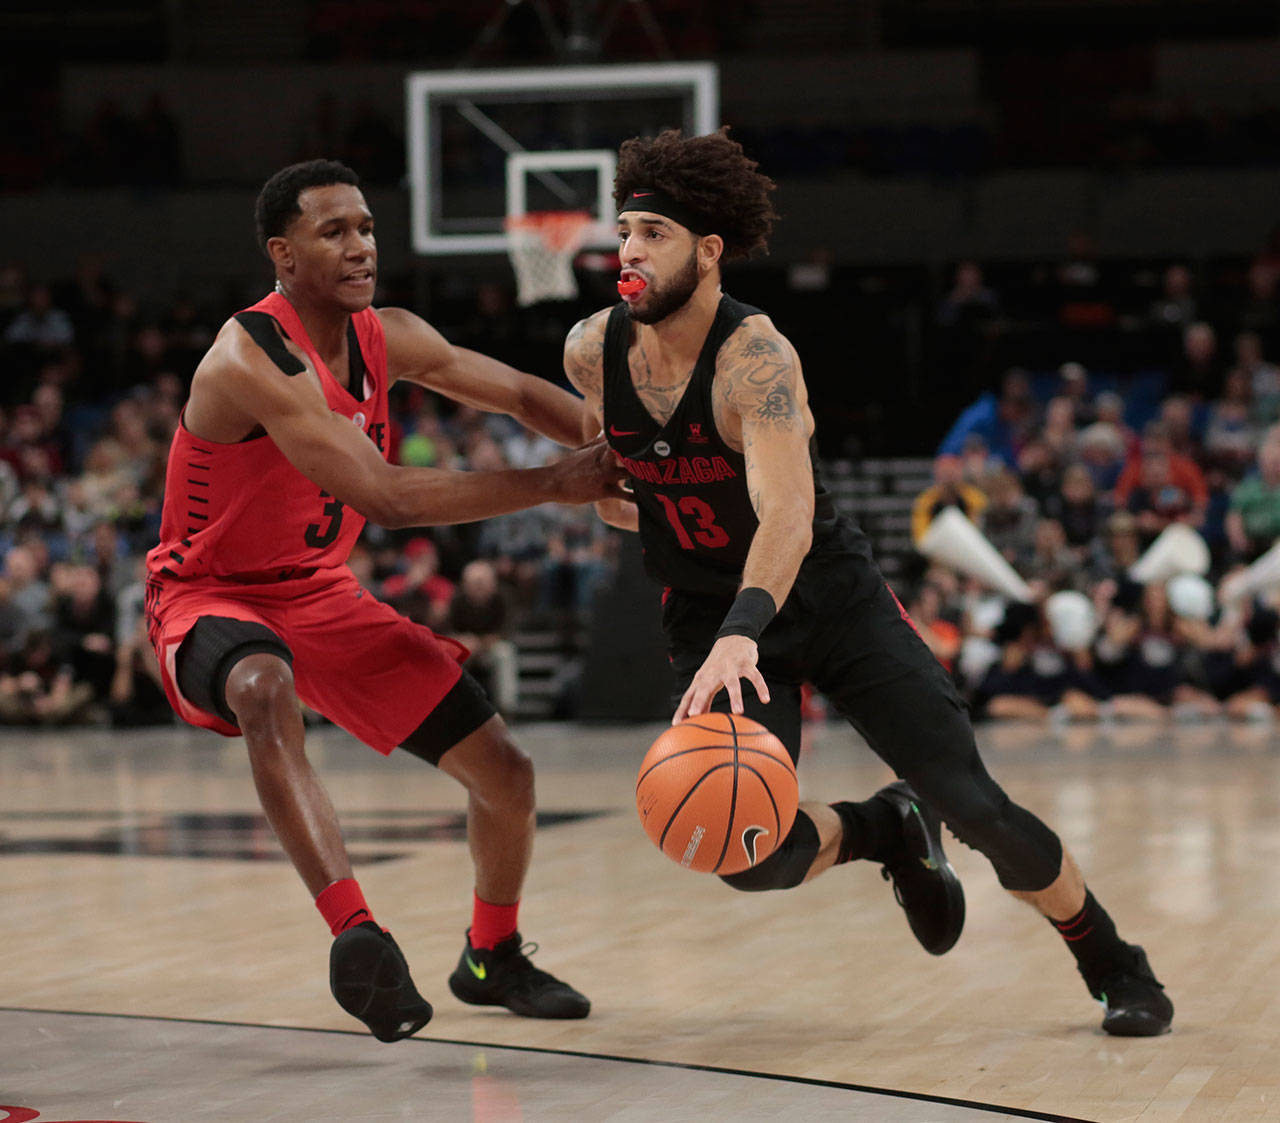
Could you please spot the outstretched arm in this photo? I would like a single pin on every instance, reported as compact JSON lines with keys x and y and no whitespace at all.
{"x":758,"y":375}
{"x":418,"y":353}
{"x":238,"y":378}
{"x":584,"y":366}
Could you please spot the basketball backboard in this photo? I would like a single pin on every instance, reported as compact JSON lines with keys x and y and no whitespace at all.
{"x":488,"y":144}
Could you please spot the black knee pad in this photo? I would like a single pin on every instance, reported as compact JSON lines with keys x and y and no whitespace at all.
{"x":457,"y":715}
{"x":214,"y":645}
{"x":1026,"y":854}
{"x":785,"y":867}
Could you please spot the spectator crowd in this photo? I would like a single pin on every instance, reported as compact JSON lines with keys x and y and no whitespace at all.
{"x":1075,"y":477}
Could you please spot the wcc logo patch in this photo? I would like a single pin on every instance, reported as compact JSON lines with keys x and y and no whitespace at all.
{"x":695,"y":434}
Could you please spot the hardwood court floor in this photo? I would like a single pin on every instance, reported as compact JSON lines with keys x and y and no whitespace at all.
{"x":138,"y":880}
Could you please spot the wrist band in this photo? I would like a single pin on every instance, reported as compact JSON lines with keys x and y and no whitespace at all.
{"x":749,"y":615}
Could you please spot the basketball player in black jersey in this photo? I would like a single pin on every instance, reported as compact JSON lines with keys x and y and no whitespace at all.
{"x":703,"y":400}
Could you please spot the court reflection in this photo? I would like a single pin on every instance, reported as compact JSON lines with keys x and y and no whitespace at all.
{"x":241,"y":836}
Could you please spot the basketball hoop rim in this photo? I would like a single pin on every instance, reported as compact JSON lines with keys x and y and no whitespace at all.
{"x":559,"y":231}
{"x":537,"y":218}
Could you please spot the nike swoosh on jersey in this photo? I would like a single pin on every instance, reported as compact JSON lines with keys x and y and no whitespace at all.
{"x":615,"y":432}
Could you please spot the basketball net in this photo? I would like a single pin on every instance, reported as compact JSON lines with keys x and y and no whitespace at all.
{"x":542,"y":246}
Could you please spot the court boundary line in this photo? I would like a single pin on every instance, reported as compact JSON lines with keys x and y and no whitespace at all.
{"x":813,"y":1081}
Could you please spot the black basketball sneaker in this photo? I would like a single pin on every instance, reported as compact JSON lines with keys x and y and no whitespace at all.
{"x":503,"y":976}
{"x":1133,"y":999}
{"x":370,"y":979}
{"x":924,"y":883}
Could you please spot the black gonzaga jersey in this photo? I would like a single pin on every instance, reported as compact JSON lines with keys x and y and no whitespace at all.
{"x":696,"y":517}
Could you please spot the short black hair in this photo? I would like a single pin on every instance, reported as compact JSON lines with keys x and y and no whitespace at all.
{"x":277,"y":204}
{"x":710,"y":175}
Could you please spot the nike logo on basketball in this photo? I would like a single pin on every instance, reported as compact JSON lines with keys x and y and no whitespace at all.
{"x":477,"y":969}
{"x":749,"y":836}
{"x":616,"y":432}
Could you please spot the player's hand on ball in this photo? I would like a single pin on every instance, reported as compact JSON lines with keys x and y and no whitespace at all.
{"x":732,"y":659}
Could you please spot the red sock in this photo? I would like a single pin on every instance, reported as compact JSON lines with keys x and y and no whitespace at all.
{"x":491,"y":924}
{"x":343,"y":905}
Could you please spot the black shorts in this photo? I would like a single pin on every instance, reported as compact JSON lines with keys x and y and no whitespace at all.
{"x":213,"y":646}
{"x":842,"y":630}
{"x":463,"y":710}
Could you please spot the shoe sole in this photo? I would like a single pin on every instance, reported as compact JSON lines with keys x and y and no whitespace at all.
{"x":1136,"y":1025}
{"x":365,"y":973}
{"x":935,"y":859}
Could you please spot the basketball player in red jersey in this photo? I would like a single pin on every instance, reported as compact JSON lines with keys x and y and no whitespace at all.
{"x":277,"y":462}
{"x":703,"y":399}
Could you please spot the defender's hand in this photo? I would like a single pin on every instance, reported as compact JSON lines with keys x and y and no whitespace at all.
{"x":590,"y":473}
{"x":732,"y":659}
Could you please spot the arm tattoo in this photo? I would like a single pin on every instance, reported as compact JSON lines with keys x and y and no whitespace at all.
{"x":761,"y":360}
{"x":753,"y":484}
{"x":761,"y":382}
{"x":778,"y":404}
{"x":584,"y":358}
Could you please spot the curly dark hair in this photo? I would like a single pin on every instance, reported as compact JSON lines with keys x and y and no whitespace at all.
{"x":712,"y":176}
{"x":277,"y":204}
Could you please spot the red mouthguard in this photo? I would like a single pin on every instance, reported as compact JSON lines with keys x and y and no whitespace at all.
{"x":635,"y":285}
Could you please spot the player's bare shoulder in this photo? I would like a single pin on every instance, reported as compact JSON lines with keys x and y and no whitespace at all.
{"x":584,"y":353}
{"x":245,"y":376}
{"x":758,"y":377}
{"x":233,"y":366}
{"x":260,"y":355}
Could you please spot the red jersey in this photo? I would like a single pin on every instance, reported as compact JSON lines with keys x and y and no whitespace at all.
{"x":241,"y":512}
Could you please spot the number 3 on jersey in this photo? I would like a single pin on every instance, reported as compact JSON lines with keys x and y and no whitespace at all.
{"x":705,"y":531}
{"x":318,"y":537}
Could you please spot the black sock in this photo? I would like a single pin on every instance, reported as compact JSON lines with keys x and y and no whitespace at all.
{"x":1091,"y":937}
{"x":872,"y":830}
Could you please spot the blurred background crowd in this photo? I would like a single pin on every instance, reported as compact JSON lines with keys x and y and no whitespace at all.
{"x":1071,"y":474}
{"x":986,"y":261}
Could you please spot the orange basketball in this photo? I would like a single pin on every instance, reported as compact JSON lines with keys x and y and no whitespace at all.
{"x":717,"y":793}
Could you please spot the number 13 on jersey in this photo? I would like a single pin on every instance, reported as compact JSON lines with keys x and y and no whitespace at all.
{"x":703,"y":530}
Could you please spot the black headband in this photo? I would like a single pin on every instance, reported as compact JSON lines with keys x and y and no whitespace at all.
{"x":657,"y":201}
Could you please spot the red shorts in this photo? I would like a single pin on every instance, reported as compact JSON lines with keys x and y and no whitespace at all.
{"x":356,"y":660}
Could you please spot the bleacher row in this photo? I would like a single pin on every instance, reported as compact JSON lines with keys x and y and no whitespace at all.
{"x":878,"y":494}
